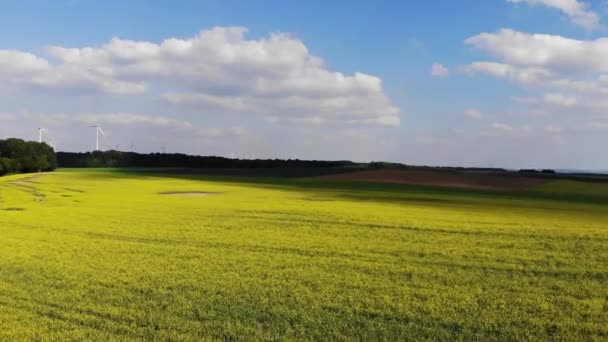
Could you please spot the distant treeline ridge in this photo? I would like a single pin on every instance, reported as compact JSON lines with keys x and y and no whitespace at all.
{"x":178,"y":160}
{"x":20,"y":156}
{"x":114,"y":158}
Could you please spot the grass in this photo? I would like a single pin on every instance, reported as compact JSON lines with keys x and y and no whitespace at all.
{"x":102,"y":255}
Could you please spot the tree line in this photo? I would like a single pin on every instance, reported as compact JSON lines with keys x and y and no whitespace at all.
{"x":20,"y":156}
{"x":178,"y":160}
{"x":114,"y":158}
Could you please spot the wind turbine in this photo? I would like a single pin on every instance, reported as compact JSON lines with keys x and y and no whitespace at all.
{"x":97,"y":131}
{"x":163,"y":148}
{"x":132,"y":146}
{"x":40,"y":131}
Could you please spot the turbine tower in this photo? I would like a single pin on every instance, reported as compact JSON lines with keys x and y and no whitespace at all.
{"x":40,"y":131}
{"x":97,"y":131}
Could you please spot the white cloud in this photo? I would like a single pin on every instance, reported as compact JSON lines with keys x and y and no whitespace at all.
{"x":577,"y":11}
{"x":554,"y":129}
{"x":559,"y":100}
{"x":7,"y":117}
{"x":439,"y":70}
{"x":130,"y":119}
{"x":550,"y":52}
{"x":227,"y":103}
{"x":600,"y":125}
{"x":28,"y":70}
{"x":17,"y":63}
{"x":295,"y":109}
{"x":502,"y":127}
{"x":564,"y":75}
{"x":210,"y":133}
{"x":537,"y":77}
{"x":551,"y":102}
{"x":598,"y":85}
{"x":521,"y":75}
{"x":431,"y":140}
{"x":473,"y":114}
{"x":110,"y":119}
{"x":219,"y":69}
{"x":511,"y":131}
{"x":216,"y":71}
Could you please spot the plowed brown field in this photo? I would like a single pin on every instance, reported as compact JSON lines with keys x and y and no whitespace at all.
{"x":469,"y":180}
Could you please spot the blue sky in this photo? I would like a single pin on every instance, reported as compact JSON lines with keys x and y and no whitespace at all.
{"x":518,"y":96}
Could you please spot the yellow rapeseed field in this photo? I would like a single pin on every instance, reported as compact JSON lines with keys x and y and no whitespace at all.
{"x":116,"y":255}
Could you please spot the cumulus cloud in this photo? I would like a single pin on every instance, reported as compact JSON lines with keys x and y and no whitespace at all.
{"x":7,"y":116}
{"x":16,"y":63}
{"x":544,"y":51}
{"x":210,"y":133}
{"x":559,"y":100}
{"x":109,"y":119}
{"x":563,"y":74}
{"x":28,"y":70}
{"x":295,"y":109}
{"x":473,"y":114}
{"x":220,"y":69}
{"x":502,"y":127}
{"x":510,"y":131}
{"x":431,"y":140}
{"x":130,"y":119}
{"x":439,"y":70}
{"x":555,"y":129}
{"x":522,"y":75}
{"x":577,"y":11}
{"x":599,"y":125}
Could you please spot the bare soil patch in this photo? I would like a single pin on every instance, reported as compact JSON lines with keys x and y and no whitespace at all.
{"x":188,"y":193}
{"x":471,"y":180}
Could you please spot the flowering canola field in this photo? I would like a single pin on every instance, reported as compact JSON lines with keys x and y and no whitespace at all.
{"x":121,"y":255}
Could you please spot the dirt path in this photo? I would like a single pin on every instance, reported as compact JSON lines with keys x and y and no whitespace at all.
{"x":28,"y":185}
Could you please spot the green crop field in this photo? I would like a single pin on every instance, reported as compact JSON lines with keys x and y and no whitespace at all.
{"x":117,"y":255}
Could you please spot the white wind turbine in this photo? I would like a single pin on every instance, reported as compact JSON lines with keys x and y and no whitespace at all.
{"x":40,"y":131}
{"x":97,"y":131}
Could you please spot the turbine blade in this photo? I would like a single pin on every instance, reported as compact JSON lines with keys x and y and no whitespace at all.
{"x":101,"y":131}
